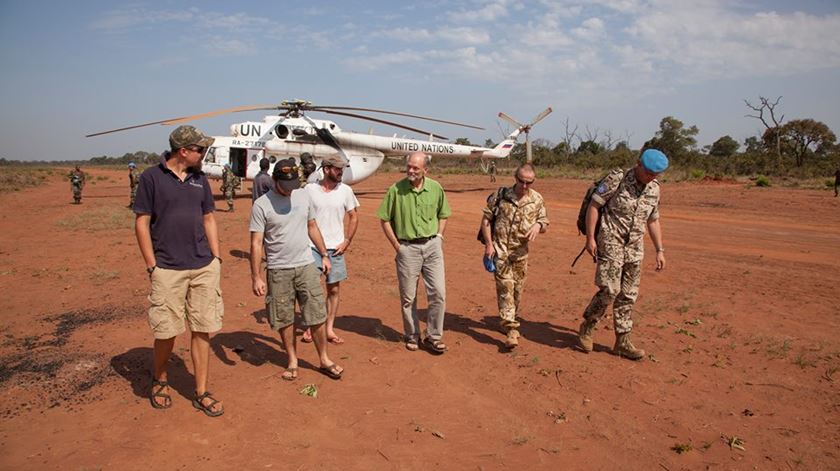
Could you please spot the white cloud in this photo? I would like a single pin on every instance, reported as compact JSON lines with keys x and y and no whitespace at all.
{"x":130,"y":18}
{"x":489,"y":12}
{"x":223,"y":46}
{"x":455,"y":35}
{"x":590,"y":29}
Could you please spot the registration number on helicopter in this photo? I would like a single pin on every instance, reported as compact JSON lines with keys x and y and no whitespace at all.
{"x":247,"y":143}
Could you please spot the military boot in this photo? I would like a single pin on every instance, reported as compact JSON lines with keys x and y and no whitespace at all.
{"x":512,"y":340}
{"x":585,"y":335}
{"x":624,"y":348}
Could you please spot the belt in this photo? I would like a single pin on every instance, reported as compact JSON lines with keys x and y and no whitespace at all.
{"x":419,"y":240}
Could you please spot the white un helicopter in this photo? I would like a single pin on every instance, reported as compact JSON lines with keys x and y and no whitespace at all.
{"x":293,"y":134}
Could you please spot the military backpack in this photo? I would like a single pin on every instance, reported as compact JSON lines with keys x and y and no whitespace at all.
{"x":584,"y":207}
{"x":499,"y":195}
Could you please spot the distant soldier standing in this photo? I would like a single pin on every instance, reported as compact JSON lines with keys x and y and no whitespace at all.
{"x":133,"y":181}
{"x":77,"y":183}
{"x":491,"y":169}
{"x":630,"y":202}
{"x":229,"y":184}
{"x":836,"y":181}
{"x":519,"y":216}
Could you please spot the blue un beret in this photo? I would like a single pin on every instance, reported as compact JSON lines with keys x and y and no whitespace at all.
{"x":654,"y":161}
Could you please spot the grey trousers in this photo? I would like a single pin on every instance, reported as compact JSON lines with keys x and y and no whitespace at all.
{"x":424,"y":259}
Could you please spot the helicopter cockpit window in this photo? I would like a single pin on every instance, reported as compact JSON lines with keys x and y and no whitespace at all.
{"x":272,"y":159}
{"x":211,"y":155}
{"x":281,"y":131}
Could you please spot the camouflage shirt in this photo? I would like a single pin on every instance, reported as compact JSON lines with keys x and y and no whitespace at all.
{"x":229,"y":180}
{"x":133,"y":177}
{"x":628,"y":206}
{"x":77,"y":178}
{"x":513,"y":220}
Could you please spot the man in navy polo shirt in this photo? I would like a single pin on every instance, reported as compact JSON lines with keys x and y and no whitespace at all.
{"x":177,"y":235}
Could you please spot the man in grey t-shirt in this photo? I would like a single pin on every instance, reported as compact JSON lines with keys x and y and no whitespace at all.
{"x":283,"y":221}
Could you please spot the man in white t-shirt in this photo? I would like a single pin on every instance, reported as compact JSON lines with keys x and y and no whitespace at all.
{"x":283,"y":221}
{"x":333,"y":201}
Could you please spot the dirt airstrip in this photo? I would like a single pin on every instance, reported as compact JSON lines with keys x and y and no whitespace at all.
{"x":742,"y":331}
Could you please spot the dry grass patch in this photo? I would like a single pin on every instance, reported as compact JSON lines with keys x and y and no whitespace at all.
{"x":98,"y":219}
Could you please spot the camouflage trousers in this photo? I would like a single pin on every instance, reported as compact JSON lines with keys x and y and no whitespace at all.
{"x":77,"y":192}
{"x":133,"y":195}
{"x":618,"y":284}
{"x":229,"y":194}
{"x":510,"y":280}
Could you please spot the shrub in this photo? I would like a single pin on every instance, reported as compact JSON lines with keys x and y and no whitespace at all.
{"x":762,"y":181}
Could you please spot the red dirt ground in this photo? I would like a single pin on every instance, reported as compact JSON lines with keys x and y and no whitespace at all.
{"x":742,"y":330}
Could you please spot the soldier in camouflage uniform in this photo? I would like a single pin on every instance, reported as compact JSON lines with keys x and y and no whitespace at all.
{"x":230,"y":183}
{"x":77,"y":183}
{"x":513,"y":218}
{"x":630,"y":202}
{"x":133,"y":181}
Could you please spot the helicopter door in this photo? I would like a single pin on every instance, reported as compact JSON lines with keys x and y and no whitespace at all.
{"x":238,"y":161}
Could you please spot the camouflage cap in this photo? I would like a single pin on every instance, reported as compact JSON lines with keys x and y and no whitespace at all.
{"x":187,"y":135}
{"x":334,"y":160}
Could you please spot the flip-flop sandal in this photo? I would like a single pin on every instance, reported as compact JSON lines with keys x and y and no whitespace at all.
{"x":167,"y":399}
{"x":305,"y":339}
{"x":207,"y":408}
{"x":290,"y":374}
{"x":435,"y":346}
{"x":336,"y":340}
{"x":332,"y":371}
{"x":411,"y":345}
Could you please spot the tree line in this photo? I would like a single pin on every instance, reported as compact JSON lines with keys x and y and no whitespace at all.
{"x":801,"y":148}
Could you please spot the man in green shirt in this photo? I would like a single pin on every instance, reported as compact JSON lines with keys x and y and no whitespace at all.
{"x":413,"y":217}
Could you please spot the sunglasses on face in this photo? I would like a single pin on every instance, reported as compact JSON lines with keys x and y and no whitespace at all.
{"x":287,"y":170}
{"x":525,"y":182}
{"x":198,"y":149}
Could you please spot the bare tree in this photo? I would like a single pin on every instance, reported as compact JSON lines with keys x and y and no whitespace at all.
{"x":770,"y":108}
{"x":609,"y":140}
{"x":592,"y":134}
{"x":570,"y":135}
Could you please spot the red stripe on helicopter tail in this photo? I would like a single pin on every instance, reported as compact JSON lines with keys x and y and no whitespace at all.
{"x":507,"y":146}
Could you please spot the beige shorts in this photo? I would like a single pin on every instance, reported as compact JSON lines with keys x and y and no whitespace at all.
{"x":193,"y":295}
{"x":287,"y":284}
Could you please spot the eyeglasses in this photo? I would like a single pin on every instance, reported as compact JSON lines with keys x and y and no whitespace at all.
{"x":525,"y":182}
{"x":198,"y":149}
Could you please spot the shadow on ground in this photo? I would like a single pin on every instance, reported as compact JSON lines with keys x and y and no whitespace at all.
{"x":135,"y":366}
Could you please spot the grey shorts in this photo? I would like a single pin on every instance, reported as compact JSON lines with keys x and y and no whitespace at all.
{"x":285,"y":285}
{"x":338,"y":268}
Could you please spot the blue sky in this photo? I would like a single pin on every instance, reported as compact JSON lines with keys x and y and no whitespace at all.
{"x":615,"y":66}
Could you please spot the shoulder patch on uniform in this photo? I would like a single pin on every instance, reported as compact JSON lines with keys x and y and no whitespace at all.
{"x":602,"y":188}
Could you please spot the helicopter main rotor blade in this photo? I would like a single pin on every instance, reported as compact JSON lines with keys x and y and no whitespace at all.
{"x":190,"y":118}
{"x":382,"y":121}
{"x":396,"y":113}
{"x":512,"y":121}
{"x":126,"y":128}
{"x":225,"y":111}
{"x":540,"y":116}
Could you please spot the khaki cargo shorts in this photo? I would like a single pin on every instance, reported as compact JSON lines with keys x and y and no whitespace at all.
{"x":191,"y":295}
{"x":287,"y":284}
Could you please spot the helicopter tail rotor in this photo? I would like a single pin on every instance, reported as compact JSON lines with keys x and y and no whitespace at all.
{"x":526,"y":128}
